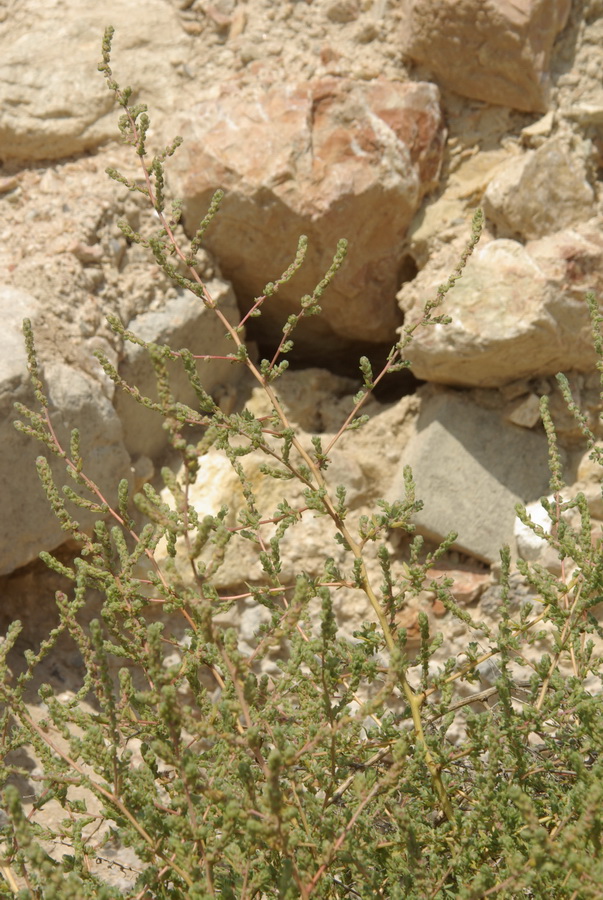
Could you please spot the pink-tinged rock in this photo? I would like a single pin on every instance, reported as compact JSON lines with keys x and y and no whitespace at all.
{"x":517,"y":312}
{"x":327,"y":158}
{"x":468,"y":583}
{"x":408,"y":618}
{"x":493,"y":50}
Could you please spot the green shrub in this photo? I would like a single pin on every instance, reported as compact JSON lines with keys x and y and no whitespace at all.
{"x":222,"y":780}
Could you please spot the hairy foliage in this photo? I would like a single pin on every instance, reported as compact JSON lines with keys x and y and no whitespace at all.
{"x":331,"y":777}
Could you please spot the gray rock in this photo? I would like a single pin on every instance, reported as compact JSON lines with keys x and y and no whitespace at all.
{"x":471,"y":468}
{"x":182,"y":322}
{"x":28,"y":525}
{"x":15,"y":305}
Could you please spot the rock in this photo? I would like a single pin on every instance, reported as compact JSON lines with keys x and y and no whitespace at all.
{"x":468,"y":585}
{"x":517,"y":312}
{"x":519,"y":594}
{"x":306,"y":545}
{"x":15,"y":305}
{"x":182,"y":322}
{"x":310,"y":400}
{"x":585,"y":114}
{"x":62,"y":105}
{"x":572,"y":259}
{"x":437,"y":223}
{"x":530,"y":546}
{"x":343,"y":11}
{"x":470,"y":469}
{"x":489,"y":50}
{"x":533,"y":548}
{"x":330,"y":159}
{"x":314,"y":400}
{"x":540,"y":192}
{"x":28,"y":524}
{"x":589,"y":469}
{"x":408,"y":618}
{"x":594,"y":500}
{"x":526,"y":412}
{"x":589,"y":481}
{"x":535,"y":135}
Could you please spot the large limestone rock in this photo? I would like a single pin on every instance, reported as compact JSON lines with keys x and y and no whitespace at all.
{"x":540,"y":192}
{"x":471,"y":468}
{"x":517,"y":311}
{"x":498,"y":51}
{"x":27,"y":524}
{"x":54,"y":101}
{"x":326,"y":158}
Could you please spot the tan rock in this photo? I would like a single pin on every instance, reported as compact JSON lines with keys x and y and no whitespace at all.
{"x":589,"y":470}
{"x":594,"y":500}
{"x":315,"y":400}
{"x":517,"y":312}
{"x":408,"y":618}
{"x":540,"y":192}
{"x":343,"y":11}
{"x":535,"y":135}
{"x":572,"y":259}
{"x":55,"y":103}
{"x":330,"y":159}
{"x":526,"y":412}
{"x":493,"y":50}
{"x":306,"y":545}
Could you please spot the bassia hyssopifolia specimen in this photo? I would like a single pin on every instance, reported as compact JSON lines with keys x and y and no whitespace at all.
{"x":188,"y":763}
